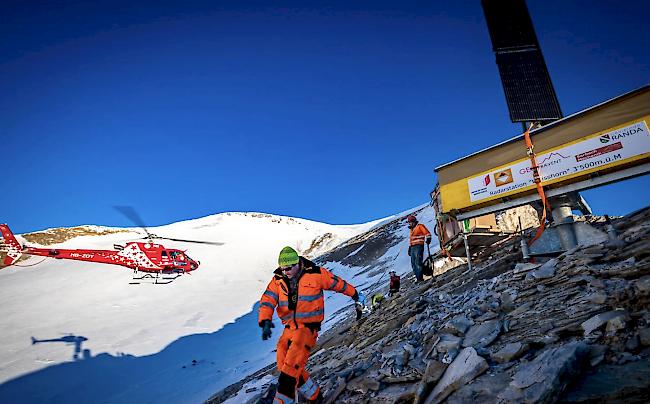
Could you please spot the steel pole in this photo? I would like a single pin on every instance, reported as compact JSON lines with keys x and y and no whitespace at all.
{"x":469,"y":260}
{"x":563,"y":222}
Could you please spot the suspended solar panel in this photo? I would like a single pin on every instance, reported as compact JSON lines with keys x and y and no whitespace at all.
{"x":527,"y":86}
{"x":509,"y":24}
{"x":526,"y":82}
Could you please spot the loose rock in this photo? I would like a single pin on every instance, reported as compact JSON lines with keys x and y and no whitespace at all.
{"x":467,"y":366}
{"x":482,"y":335}
{"x":542,"y":380}
{"x":509,"y":352}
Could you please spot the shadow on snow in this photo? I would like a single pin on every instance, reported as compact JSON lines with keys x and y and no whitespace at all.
{"x":75,"y":340}
{"x":189,"y":369}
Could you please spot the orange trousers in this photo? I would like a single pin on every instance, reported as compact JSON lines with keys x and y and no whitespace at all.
{"x":294,"y":347}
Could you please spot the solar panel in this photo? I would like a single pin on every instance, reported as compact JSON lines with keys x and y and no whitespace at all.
{"x":526,"y":82}
{"x":527,"y":86}
{"x":509,"y":24}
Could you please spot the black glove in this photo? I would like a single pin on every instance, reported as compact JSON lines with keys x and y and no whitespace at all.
{"x":266,"y":329}
{"x":428,"y":241}
{"x":409,"y":250}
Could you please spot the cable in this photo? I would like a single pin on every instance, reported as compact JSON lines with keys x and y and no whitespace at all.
{"x":30,"y":265}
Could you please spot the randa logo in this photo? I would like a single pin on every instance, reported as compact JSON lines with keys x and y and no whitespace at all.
{"x":621,"y":134}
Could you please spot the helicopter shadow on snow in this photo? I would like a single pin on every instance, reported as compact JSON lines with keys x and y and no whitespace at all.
{"x":75,"y":340}
{"x":193,"y":364}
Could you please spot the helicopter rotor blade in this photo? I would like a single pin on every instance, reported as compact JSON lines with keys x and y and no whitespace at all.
{"x":133,"y":216}
{"x":190,"y":241}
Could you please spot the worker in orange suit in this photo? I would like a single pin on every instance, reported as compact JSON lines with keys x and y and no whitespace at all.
{"x":296,"y":292}
{"x":419,"y":235}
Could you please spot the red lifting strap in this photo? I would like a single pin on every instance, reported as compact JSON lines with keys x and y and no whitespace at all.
{"x":538,"y":182}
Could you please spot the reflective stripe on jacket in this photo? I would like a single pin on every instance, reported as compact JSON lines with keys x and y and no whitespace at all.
{"x":418,"y":234}
{"x":308,"y":306}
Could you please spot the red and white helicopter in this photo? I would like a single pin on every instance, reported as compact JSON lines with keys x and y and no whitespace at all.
{"x":151,"y":258}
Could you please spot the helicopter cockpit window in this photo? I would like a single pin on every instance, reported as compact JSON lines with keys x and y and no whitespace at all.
{"x":176,"y":255}
{"x":164,"y":253}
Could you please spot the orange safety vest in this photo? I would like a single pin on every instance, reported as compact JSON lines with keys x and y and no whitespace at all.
{"x":418,"y":234}
{"x":306,"y":307}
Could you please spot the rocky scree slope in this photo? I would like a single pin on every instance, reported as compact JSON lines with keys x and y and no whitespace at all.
{"x":575,"y":328}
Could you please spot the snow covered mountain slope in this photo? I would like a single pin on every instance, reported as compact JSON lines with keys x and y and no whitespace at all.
{"x":86,"y":335}
{"x":364,"y":261}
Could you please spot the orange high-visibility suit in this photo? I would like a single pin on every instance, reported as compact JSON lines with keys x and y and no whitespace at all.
{"x":301,"y":311}
{"x":419,"y":234}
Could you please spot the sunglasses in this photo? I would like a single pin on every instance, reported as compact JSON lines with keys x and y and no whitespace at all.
{"x":287,"y":269}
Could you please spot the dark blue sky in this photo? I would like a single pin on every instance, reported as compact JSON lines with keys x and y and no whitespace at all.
{"x":336,"y":112}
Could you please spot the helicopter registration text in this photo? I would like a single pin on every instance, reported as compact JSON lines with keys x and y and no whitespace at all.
{"x":85,"y":255}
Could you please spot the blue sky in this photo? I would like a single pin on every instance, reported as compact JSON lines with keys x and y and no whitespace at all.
{"x":331,"y":111}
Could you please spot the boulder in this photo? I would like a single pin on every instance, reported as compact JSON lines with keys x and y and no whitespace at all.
{"x":615,"y":324}
{"x":611,"y":383}
{"x":450,"y":356}
{"x":482,"y":335}
{"x":547,"y":270}
{"x":597,"y":354}
{"x":599,"y":320}
{"x":642,"y":285}
{"x":363,"y":385}
{"x":483,"y":389}
{"x":525,"y":267}
{"x":632,"y":342}
{"x":433,"y":373}
{"x":489,"y":315}
{"x":507,"y":302}
{"x":599,"y":297}
{"x":448,"y":342}
{"x":465,"y":368}
{"x":395,"y":393}
{"x":509,"y":352}
{"x":457,"y":326}
{"x":543,"y":379}
{"x":644,"y":336}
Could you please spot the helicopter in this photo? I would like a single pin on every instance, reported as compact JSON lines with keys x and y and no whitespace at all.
{"x":159,"y":264}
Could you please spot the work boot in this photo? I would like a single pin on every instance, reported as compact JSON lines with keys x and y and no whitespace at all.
{"x":318,"y":400}
{"x":282,"y":399}
{"x":309,"y":392}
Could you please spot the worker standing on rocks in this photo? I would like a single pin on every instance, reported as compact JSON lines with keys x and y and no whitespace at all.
{"x":296,"y":290}
{"x":419,"y":235}
{"x":394,"y":284}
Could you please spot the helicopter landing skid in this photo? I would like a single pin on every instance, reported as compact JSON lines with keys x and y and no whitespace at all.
{"x":154,"y":279}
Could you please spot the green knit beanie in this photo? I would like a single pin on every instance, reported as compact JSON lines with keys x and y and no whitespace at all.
{"x":288,"y":256}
